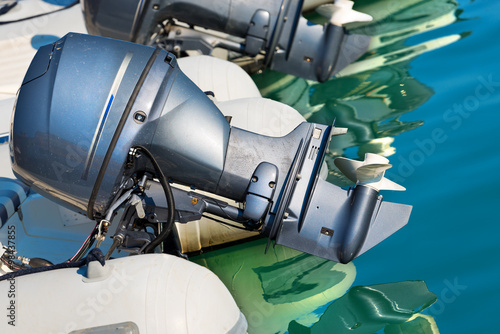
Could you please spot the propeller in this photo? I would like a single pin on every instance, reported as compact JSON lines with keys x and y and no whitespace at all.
{"x":369,"y":172}
{"x":341,"y":12}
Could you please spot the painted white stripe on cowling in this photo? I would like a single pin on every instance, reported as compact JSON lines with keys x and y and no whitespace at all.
{"x":105,"y":111}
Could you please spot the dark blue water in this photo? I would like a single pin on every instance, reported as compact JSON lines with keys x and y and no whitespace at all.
{"x":452,"y":241}
{"x":452,"y":237}
{"x":451,"y":180}
{"x":434,"y":111}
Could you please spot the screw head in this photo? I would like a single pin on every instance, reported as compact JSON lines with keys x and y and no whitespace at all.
{"x":140,"y":117}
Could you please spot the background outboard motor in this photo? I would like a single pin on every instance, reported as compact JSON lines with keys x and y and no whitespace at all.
{"x":275,"y":29}
{"x":97,"y":121}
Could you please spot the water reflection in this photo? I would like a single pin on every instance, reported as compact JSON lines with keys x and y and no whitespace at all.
{"x":276,"y":288}
{"x":286,"y":290}
{"x":370,"y":96}
{"x":393,"y":307}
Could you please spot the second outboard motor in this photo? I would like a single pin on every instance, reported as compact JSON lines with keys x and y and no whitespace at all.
{"x":275,"y":29}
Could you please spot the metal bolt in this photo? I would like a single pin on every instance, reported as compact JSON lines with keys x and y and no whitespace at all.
{"x":140,"y":117}
{"x":326,"y":231}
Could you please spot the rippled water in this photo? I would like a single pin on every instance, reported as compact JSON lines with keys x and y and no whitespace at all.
{"x":426,"y":96}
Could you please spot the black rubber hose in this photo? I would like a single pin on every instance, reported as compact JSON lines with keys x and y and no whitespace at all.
{"x":86,"y":245}
{"x":10,"y":264}
{"x":94,"y":255}
{"x":169,"y":197}
{"x":39,"y":15}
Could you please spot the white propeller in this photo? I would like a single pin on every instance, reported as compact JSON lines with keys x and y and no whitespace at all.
{"x":341,"y":12}
{"x":369,"y":172}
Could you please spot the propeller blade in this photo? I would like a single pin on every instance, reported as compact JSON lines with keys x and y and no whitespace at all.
{"x":348,"y":167}
{"x":371,"y":172}
{"x":387,"y":184}
{"x":341,"y":13}
{"x":327,"y":10}
{"x":372,"y":158}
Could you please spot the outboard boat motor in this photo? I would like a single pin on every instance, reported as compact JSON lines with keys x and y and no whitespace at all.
{"x":275,"y":29}
{"x":102,"y":124}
